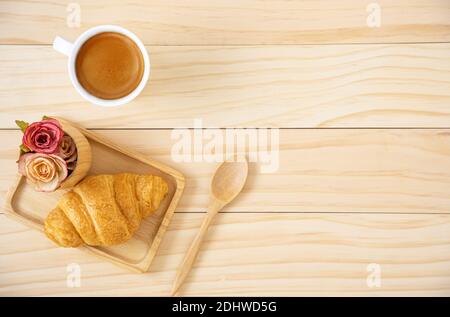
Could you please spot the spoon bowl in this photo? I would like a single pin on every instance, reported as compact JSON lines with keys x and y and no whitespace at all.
{"x":229,"y":180}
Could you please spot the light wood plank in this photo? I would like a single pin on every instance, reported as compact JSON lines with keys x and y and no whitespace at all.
{"x":332,"y":170}
{"x":251,"y":254}
{"x":276,"y":86}
{"x":229,"y":22}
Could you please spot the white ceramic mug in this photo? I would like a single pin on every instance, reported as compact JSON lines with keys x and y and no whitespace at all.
{"x":71,"y":50}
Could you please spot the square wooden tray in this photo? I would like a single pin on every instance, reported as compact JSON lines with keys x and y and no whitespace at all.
{"x":26,"y":205}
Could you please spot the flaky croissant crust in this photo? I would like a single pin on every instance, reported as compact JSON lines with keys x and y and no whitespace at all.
{"x":104,"y":210}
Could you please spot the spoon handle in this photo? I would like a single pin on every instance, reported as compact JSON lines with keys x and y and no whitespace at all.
{"x":189,"y":258}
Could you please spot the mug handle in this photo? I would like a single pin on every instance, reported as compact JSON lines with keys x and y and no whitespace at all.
{"x":62,"y":45}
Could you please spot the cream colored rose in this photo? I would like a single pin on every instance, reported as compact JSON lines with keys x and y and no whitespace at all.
{"x":45,"y":171}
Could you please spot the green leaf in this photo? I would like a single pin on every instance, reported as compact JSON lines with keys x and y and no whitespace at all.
{"x":44,"y":117}
{"x":22,"y":125}
{"x":23,"y":149}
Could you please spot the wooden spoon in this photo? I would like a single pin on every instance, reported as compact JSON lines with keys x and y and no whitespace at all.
{"x":226,"y":184}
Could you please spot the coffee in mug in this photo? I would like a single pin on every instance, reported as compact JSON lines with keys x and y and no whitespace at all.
{"x":109,"y":65}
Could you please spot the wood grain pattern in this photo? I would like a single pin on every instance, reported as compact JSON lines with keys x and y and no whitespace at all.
{"x":276,"y":86}
{"x":227,"y":22}
{"x":337,"y":170}
{"x":251,"y":254}
{"x":376,"y":195}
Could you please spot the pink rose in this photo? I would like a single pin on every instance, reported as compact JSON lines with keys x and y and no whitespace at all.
{"x":45,"y":171}
{"x":44,"y":136}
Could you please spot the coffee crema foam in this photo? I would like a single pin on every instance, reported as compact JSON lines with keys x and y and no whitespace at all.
{"x":109,"y":65}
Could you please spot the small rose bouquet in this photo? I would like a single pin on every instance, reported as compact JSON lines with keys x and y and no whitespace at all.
{"x":47,"y":155}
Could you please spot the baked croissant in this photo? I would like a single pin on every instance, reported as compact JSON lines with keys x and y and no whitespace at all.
{"x":104,"y":210}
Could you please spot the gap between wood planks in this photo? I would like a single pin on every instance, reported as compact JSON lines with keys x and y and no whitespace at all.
{"x":308,"y":212}
{"x":262,"y":44}
{"x":252,"y":127}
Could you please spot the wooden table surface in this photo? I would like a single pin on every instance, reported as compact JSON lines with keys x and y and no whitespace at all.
{"x":364,"y":118}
